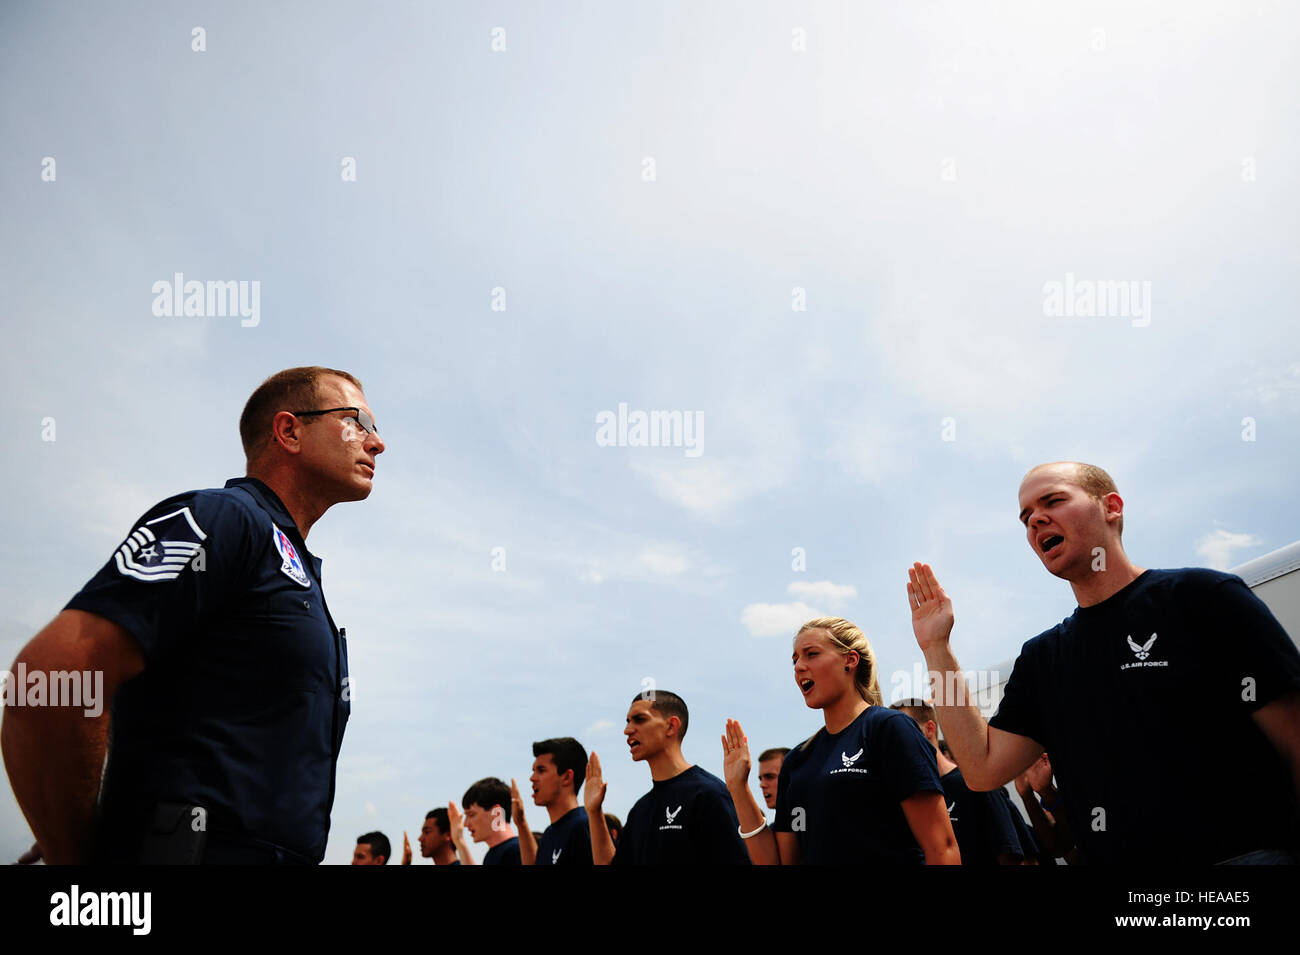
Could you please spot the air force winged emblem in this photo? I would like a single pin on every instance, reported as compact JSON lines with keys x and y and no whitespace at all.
{"x":671,"y":813}
{"x":1143,"y":651}
{"x":292,"y":566}
{"x":850,"y":760}
{"x":161,"y":548}
{"x":555,"y":857}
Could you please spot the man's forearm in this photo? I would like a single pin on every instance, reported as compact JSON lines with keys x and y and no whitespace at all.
{"x":964,"y":729}
{"x":55,"y":760}
{"x":602,"y":844}
{"x":527,"y":845}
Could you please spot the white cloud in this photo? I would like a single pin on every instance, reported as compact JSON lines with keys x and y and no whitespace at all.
{"x":770,"y":620}
{"x":823,"y":590}
{"x":664,"y":562}
{"x":599,"y":727}
{"x":1217,"y":548}
{"x":706,"y":488}
{"x":371,"y":810}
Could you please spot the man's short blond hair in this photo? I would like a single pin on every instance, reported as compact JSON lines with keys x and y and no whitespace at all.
{"x":1094,"y":482}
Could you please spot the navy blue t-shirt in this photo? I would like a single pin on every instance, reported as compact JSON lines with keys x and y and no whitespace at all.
{"x":567,"y":841}
{"x":686,"y":820}
{"x":244,"y":697}
{"x":840,"y":793}
{"x":1144,"y":703}
{"x":504,"y":853}
{"x":980,"y":821}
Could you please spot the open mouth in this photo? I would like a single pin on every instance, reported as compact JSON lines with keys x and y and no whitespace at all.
{"x":805,"y":687}
{"x":1049,"y":544}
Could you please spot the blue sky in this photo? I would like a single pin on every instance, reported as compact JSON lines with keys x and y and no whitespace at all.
{"x":921,"y":172}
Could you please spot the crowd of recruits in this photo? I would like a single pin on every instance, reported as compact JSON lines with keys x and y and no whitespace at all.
{"x":1169,"y":700}
{"x":988,"y":829}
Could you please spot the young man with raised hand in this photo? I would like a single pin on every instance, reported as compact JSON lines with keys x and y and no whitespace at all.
{"x":435,"y":840}
{"x":981,"y":821}
{"x":559,"y":767}
{"x":687,"y":818}
{"x":1169,"y":699}
{"x":487,"y":817}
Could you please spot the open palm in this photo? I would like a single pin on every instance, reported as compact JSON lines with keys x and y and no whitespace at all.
{"x":735,"y":755}
{"x":932,"y":616}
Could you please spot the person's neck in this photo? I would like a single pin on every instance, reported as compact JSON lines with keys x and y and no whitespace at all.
{"x":1093,"y":586}
{"x":499,"y":836}
{"x":304,"y":506}
{"x":667,"y":764}
{"x":946,"y":765}
{"x":564,"y":804}
{"x":444,"y":855}
{"x":840,"y":713}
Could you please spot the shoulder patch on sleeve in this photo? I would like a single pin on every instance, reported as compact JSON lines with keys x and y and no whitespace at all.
{"x":292,"y":566}
{"x":161,"y":548}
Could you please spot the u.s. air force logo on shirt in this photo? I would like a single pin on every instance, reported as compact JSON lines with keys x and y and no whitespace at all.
{"x":1142,"y":651}
{"x":672,"y":815}
{"x":292,"y":566}
{"x":159,"y":549}
{"x":848,"y":762}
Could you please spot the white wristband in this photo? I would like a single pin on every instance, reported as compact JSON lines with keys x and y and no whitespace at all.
{"x":750,"y":835}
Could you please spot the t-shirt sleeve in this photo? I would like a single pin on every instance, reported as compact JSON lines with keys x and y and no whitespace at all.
{"x":906,"y":758}
{"x":577,"y":851}
{"x":1019,"y":711}
{"x":1262,"y":662}
{"x":181,"y":560}
{"x":1002,"y":835}
{"x":715,"y":830}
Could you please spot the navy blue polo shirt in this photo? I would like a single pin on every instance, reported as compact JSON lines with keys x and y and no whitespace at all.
{"x":244,"y":697}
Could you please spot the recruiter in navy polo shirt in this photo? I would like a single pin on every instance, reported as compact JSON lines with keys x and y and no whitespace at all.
{"x":227,"y":675}
{"x":686,"y":818}
{"x":1169,"y":699}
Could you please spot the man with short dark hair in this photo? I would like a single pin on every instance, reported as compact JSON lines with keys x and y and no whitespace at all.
{"x":559,"y":766}
{"x":986,"y":834}
{"x":769,"y":771}
{"x":226,"y":675}
{"x":372,"y":849}
{"x":435,"y":839}
{"x":1155,"y":672}
{"x":487,"y":817}
{"x":687,"y":818}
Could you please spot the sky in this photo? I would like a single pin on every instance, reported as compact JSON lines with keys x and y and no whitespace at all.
{"x":834,"y":239}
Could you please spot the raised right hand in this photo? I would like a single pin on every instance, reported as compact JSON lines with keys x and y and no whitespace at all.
{"x":593,"y":791}
{"x":932,"y":616}
{"x":735,"y":756}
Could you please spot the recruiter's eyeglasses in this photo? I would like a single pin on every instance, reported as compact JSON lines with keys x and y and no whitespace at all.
{"x":363,"y":418}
